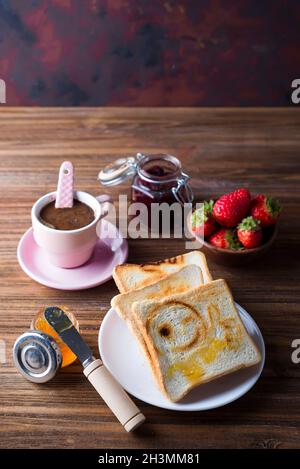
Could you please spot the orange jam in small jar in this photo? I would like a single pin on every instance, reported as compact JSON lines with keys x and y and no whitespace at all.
{"x":39,"y":323}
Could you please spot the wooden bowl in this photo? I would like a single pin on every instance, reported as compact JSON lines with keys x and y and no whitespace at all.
{"x":230,"y":257}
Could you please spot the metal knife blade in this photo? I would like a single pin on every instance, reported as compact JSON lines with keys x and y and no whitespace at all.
{"x":104,"y":383}
{"x":62,"y":325}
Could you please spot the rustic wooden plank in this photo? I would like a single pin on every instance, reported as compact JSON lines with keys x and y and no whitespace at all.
{"x":221,"y":149}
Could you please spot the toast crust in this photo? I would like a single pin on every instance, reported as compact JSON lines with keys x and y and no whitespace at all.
{"x":117,"y":278}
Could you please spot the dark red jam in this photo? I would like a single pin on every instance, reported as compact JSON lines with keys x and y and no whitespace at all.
{"x":156,"y":181}
{"x":159,"y":167}
{"x":155,"y":178}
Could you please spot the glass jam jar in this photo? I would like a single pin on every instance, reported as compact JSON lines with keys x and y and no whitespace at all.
{"x":39,"y":323}
{"x":157,"y":178}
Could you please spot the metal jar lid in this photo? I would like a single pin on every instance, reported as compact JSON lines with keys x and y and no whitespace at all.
{"x":120,"y":170}
{"x":37,"y":356}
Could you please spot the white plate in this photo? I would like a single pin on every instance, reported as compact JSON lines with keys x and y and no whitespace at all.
{"x":121,"y":354}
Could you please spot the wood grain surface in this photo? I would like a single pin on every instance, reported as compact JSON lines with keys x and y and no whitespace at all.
{"x":221,"y":149}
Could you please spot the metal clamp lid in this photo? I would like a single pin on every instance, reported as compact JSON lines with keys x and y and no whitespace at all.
{"x":118,"y":171}
{"x":182,"y":184}
{"x":37,"y":356}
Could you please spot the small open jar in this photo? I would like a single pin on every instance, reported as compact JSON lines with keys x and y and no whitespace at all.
{"x":39,"y":323}
{"x":157,"y":178}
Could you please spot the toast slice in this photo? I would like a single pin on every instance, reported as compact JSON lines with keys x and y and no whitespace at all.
{"x":194,"y":337}
{"x":185,"y":279}
{"x":130,"y":277}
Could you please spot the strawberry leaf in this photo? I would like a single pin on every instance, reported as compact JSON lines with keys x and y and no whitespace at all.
{"x":249,"y":224}
{"x":232,"y":240}
{"x":198,"y":218}
{"x":273,"y":206}
{"x":208,"y":207}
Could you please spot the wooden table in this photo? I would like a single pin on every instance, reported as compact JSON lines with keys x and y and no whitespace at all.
{"x":221,"y":149}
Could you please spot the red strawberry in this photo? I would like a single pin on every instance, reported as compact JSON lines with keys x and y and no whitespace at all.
{"x":226,"y":239}
{"x":203,"y":222}
{"x":249,"y":232}
{"x":231,"y":208}
{"x":265,"y":209}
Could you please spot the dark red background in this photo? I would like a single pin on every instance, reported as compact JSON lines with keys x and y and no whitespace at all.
{"x":149,"y":52}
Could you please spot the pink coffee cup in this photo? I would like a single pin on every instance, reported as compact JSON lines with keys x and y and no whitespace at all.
{"x":69,"y":248}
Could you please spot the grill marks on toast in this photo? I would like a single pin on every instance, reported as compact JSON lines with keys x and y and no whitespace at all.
{"x":187,"y":278}
{"x":130,"y":277}
{"x":192,"y":318}
{"x":153,"y":265}
{"x":216,"y":343}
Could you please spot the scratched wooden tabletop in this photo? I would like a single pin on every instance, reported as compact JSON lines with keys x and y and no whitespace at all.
{"x":221,"y":149}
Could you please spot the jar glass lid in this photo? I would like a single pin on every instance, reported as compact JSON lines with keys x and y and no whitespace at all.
{"x":118,"y":171}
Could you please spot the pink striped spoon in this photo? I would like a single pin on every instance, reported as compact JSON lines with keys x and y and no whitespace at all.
{"x":64,"y":194}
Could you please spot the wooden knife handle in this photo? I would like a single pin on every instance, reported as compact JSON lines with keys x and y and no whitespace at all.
{"x":114,"y":395}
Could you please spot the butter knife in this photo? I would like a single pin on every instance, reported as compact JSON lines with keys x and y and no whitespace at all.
{"x":105,"y":384}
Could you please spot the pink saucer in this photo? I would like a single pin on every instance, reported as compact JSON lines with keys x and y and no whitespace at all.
{"x":96,"y":271}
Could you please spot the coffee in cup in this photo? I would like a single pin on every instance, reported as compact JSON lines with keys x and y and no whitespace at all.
{"x":69,"y":218}
{"x":69,"y":247}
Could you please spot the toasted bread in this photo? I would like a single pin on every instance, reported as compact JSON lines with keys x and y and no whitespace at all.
{"x":194,"y":337}
{"x":186,"y":278}
{"x":130,"y":277}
